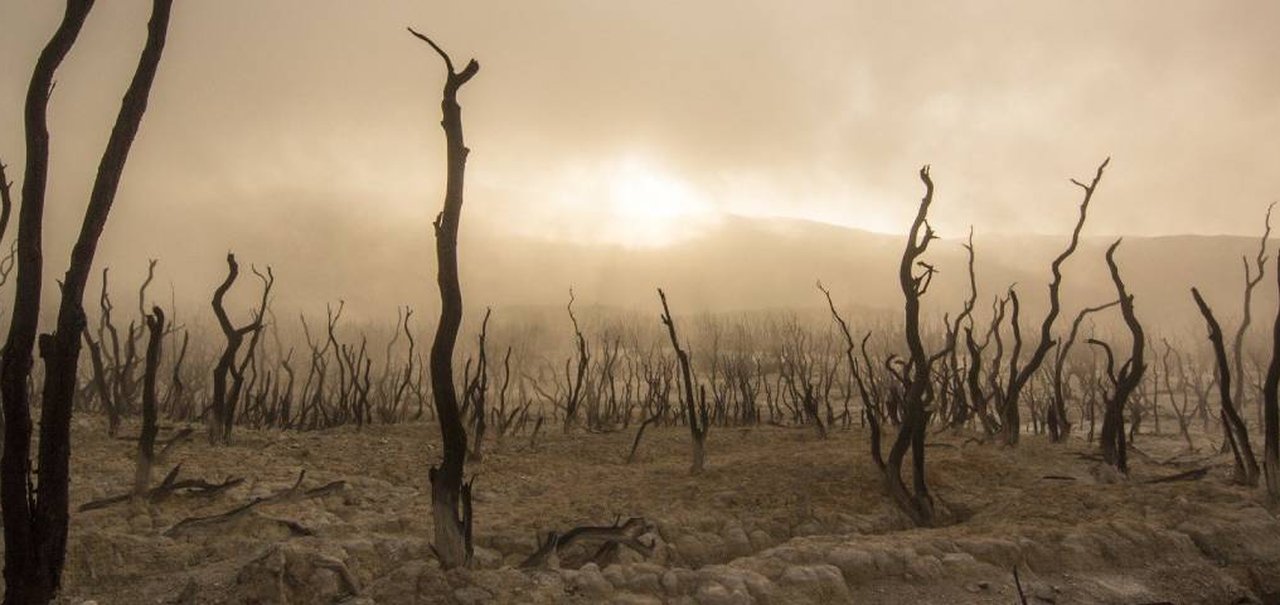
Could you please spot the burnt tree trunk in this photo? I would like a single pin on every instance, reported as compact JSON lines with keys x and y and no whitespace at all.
{"x":1237,"y":433}
{"x":147,"y":439}
{"x":1058,"y":424}
{"x":1127,"y":379}
{"x":32,"y":566}
{"x":695,"y":410}
{"x":915,"y":501}
{"x":450,"y":496}
{"x":222,"y":408}
{"x":36,"y":528}
{"x":1011,"y":421}
{"x":1271,"y":413}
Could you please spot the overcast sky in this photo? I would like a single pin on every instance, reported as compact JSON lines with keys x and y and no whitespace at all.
{"x":640,"y":122}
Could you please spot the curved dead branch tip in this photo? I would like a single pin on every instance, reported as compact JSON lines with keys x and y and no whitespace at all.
{"x":233,"y":271}
{"x":155,"y":320}
{"x":1211,"y":322}
{"x":454,"y":76}
{"x":6,"y":200}
{"x":268,"y":281}
{"x":1111,"y":360}
{"x":1096,"y":177}
{"x":844,"y":326}
{"x":925,"y":277}
{"x":142,"y":290}
{"x":1251,"y":280}
{"x":666,"y":312}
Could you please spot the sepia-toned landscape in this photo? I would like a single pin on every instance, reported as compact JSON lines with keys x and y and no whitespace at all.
{"x":690,"y":303}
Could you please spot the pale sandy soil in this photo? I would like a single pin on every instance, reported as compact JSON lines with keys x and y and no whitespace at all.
{"x":779,"y":517}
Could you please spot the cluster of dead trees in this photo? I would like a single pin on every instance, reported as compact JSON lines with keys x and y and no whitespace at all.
{"x":899,"y":380}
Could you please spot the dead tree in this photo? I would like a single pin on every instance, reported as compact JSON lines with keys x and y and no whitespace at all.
{"x":450,"y":497}
{"x":222,"y":408}
{"x":477,"y":392}
{"x":1237,"y":433}
{"x":1252,"y":277}
{"x":35,"y":525}
{"x":147,"y":439}
{"x":695,"y":410}
{"x":1128,"y":377}
{"x":1011,"y":422}
{"x":915,"y":502}
{"x":575,"y":382}
{"x":33,"y":564}
{"x":1059,"y":425}
{"x":1271,"y":412}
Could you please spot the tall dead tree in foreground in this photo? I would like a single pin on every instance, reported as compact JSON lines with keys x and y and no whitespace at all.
{"x":35,"y":525}
{"x":450,"y":497}
{"x":1237,"y":433}
{"x":1127,"y":379}
{"x":695,"y":410}
{"x":915,"y":502}
{"x":1011,"y":421}
{"x":1271,"y":413}
{"x":32,"y":567}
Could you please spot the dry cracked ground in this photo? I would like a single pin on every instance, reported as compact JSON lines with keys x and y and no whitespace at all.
{"x":780,"y":516}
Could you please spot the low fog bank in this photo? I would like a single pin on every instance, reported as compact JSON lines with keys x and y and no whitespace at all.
{"x":740,"y":265}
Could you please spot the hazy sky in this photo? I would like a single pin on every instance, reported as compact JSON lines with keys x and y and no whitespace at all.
{"x":281,"y":121}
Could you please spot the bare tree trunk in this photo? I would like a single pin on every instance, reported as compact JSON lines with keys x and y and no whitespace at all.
{"x":222,"y":408}
{"x":1271,"y":413}
{"x":915,"y":502}
{"x":1251,"y":281}
{"x":1018,"y":380}
{"x":450,"y":496}
{"x":1236,"y":432}
{"x":696,"y":410}
{"x":1059,"y":425}
{"x":1128,"y":378}
{"x":32,"y":573}
{"x":147,"y":439}
{"x":36,"y":528}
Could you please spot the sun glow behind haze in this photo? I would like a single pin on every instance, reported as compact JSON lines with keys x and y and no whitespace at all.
{"x":631,"y":201}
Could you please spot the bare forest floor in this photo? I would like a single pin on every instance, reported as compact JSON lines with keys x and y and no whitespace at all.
{"x":779,"y":516}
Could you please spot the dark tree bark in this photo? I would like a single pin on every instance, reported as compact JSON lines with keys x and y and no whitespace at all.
{"x":1271,"y":412}
{"x":147,"y":440}
{"x":1012,"y":422}
{"x":33,"y":565}
{"x":478,"y":392}
{"x":916,"y":501}
{"x":36,"y":528}
{"x":450,"y":496}
{"x":1252,"y":277}
{"x":575,"y":382}
{"x":696,"y":410}
{"x":1058,"y":424}
{"x":1129,"y":377}
{"x":6,"y":201}
{"x":1237,"y":433}
{"x":222,"y":408}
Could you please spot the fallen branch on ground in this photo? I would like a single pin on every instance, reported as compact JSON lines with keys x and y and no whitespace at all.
{"x":625,"y":534}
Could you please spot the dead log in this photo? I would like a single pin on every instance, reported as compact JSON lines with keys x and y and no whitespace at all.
{"x":625,"y":534}
{"x":1191,"y":475}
